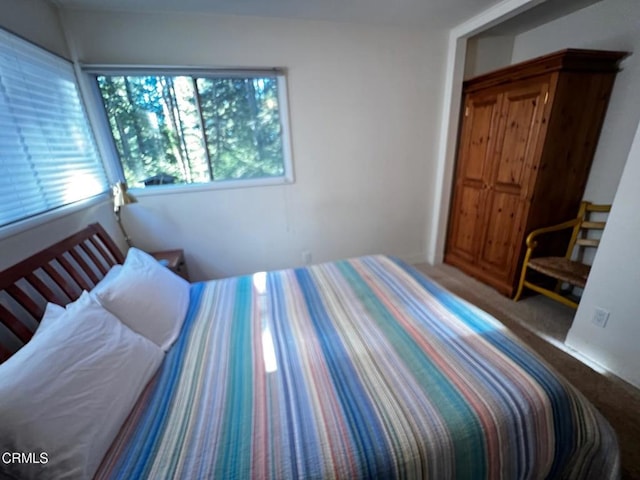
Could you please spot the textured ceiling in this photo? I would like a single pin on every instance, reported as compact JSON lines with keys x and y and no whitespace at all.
{"x":429,"y":13}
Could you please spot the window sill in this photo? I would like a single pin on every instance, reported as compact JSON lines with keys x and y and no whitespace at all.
{"x":209,"y":186}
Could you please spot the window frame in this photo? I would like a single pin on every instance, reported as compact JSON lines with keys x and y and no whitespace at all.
{"x":112,"y":157}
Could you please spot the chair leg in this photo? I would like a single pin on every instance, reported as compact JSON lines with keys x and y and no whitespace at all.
{"x":521,"y":284}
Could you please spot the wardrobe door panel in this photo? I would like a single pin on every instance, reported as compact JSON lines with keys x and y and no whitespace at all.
{"x":481,"y":114}
{"x":473,"y":172}
{"x":515,"y":154}
{"x":502,"y":233}
{"x":515,"y":151}
{"x":467,"y":222}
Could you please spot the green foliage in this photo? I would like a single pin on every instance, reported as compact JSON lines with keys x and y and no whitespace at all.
{"x":194,"y":129}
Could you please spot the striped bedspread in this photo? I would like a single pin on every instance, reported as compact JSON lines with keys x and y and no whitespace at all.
{"x":361,"y":368}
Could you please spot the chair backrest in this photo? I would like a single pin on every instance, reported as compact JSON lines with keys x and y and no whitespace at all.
{"x":586,"y":234}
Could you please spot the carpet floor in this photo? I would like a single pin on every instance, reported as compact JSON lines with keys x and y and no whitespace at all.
{"x":543,"y":324}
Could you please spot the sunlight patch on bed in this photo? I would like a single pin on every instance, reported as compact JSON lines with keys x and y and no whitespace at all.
{"x":260,"y":282}
{"x":268,"y":348}
{"x":268,"y":351}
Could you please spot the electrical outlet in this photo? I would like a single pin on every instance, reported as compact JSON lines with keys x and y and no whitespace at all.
{"x":600,"y":317}
{"x":306,"y":257}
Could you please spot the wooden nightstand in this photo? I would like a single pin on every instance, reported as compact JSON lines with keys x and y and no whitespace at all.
{"x":173,"y":260}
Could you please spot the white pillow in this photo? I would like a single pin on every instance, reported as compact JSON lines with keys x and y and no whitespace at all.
{"x":110,"y":276}
{"x":67,"y":392}
{"x":147,"y":297}
{"x":52,"y":314}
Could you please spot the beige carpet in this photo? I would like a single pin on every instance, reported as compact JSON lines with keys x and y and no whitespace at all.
{"x":543,"y":324}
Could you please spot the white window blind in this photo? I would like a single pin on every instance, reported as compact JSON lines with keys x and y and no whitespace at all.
{"x":48,"y":156}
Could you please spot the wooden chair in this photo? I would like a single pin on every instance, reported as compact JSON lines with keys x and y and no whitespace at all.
{"x":568,"y":269}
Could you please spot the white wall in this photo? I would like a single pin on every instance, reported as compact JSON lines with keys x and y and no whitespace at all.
{"x":607,"y":25}
{"x":364,"y":105}
{"x":36,"y":21}
{"x":613,"y":284}
{"x":485,"y":54}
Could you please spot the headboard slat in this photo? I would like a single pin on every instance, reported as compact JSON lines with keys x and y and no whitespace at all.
{"x":25,"y":301}
{"x":111,"y":246}
{"x":16,"y":326}
{"x":63,"y":269}
{"x":59,"y":280}
{"x":85,"y":267}
{"x":85,"y":248}
{"x":4,"y":353}
{"x":102,"y":251}
{"x":73,"y":273}
{"x":42,"y":289}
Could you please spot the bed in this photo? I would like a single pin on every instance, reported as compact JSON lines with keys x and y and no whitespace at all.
{"x":361,"y":368}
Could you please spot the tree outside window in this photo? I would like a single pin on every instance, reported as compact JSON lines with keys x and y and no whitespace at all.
{"x":195,"y":129}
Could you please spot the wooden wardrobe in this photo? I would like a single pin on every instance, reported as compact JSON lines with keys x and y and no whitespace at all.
{"x":528,"y":135}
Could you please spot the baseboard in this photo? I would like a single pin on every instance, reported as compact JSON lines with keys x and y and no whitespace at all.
{"x":414,"y":258}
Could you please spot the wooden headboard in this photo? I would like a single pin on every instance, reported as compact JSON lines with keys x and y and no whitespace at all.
{"x":57,"y":274}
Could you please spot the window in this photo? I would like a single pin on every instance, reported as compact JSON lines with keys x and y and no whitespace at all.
{"x":48,"y":157}
{"x":197,"y":128}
